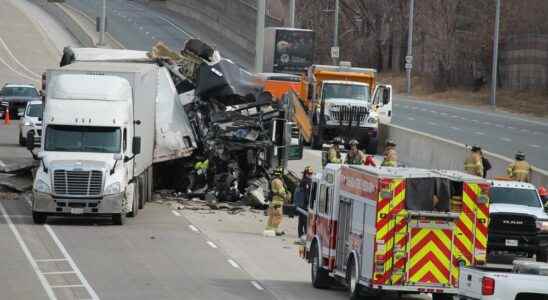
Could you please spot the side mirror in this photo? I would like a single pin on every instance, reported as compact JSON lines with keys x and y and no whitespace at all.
{"x":30,"y":140}
{"x":136,"y":145}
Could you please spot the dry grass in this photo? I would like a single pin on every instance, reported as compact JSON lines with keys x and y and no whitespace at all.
{"x":532,"y":102}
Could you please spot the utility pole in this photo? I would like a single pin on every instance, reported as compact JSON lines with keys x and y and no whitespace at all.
{"x":292,"y":13}
{"x":259,"y":39}
{"x":336,"y":32}
{"x":494,"y":71}
{"x":103,"y":22}
{"x":409,"y":57}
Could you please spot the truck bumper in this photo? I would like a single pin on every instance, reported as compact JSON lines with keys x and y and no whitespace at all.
{"x":106,"y":205}
{"x":526,"y":243}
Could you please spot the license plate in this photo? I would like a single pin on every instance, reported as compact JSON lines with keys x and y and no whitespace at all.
{"x":76,"y":211}
{"x":512,"y":243}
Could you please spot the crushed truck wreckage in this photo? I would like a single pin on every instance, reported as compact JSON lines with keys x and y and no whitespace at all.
{"x":235,"y":124}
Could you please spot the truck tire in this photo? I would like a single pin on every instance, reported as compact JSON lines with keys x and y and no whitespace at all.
{"x":542,"y":255}
{"x":22,"y":140}
{"x":39,"y":218}
{"x":352,"y":280}
{"x":136,"y":199}
{"x":442,"y":297}
{"x":118,"y":219}
{"x":319,"y":275}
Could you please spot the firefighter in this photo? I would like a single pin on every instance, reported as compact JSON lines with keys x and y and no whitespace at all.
{"x":275,"y":208}
{"x":390,"y":155}
{"x":334,"y":154}
{"x":302,"y":206}
{"x":370,"y":161}
{"x":473,"y":164}
{"x":198,"y":176}
{"x":520,"y":169}
{"x":543,"y":192}
{"x":354,"y":156}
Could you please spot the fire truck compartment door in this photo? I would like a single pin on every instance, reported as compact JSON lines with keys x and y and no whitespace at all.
{"x":344,"y":235}
{"x":430,"y":249}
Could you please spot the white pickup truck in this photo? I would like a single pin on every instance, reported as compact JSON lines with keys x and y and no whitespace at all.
{"x":524,"y":280}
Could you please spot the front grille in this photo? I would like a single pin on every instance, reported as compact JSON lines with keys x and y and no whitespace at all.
{"x":512,"y":224}
{"x":343,"y":113}
{"x":77,"y":183}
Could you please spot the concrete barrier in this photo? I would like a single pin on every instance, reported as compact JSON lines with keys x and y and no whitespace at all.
{"x":71,"y":23}
{"x":423,"y":150}
{"x":234,"y":19}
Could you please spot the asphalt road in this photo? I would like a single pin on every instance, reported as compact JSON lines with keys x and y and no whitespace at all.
{"x":137,"y":26}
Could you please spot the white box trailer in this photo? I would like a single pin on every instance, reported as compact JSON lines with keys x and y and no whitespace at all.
{"x":105,"y":123}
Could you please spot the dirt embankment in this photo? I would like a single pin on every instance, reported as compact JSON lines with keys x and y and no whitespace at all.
{"x":532,"y":102}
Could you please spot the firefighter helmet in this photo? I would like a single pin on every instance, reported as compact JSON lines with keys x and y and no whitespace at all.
{"x":278,"y":172}
{"x":520,"y":156}
{"x":390,"y":143}
{"x":476,"y":148}
{"x":308,"y":170}
{"x":337,"y":141}
{"x":354,"y":142}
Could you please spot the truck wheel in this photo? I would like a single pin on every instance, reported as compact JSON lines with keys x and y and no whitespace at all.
{"x":442,"y":297}
{"x":39,"y":218}
{"x":22,"y":141}
{"x":118,"y":219}
{"x":136,"y":199}
{"x":320,"y":276}
{"x":542,"y":255}
{"x":352,"y":280}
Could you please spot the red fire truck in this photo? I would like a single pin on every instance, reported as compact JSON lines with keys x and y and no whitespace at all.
{"x":403,"y":230}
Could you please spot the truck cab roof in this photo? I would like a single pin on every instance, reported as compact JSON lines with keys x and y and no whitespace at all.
{"x":346,"y":82}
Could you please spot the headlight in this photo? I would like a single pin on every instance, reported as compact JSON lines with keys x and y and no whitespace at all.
{"x":113,"y":188}
{"x":372,"y":120}
{"x":42,"y":187}
{"x":542,"y":225}
{"x":28,"y":124}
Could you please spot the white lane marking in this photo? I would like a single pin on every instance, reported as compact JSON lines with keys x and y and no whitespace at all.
{"x":153,"y":37}
{"x":19,"y":216}
{"x":454,"y":128}
{"x":68,"y":286}
{"x":411,"y":119}
{"x":212,"y":245}
{"x":170,"y":22}
{"x":505,"y":139}
{"x":176,"y":213}
{"x":233,"y":263}
{"x":454,"y":116}
{"x":147,"y":33}
{"x":257,"y":285}
{"x":479,"y":133}
{"x":17,"y":72}
{"x":73,"y":265}
{"x":51,"y":260}
{"x":535,"y":146}
{"x":30,"y":258}
{"x":433,"y":123}
{"x":58,"y":273}
{"x":433,"y":111}
{"x":193,"y":228}
{"x":17,"y":61}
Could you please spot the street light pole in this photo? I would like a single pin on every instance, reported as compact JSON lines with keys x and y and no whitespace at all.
{"x":292,"y":13}
{"x":103,"y":22}
{"x":409,"y":57}
{"x":259,"y":40}
{"x":336,"y":32}
{"x":494,"y":71}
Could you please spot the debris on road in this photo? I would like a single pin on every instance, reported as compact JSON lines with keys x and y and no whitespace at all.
{"x":16,"y":165}
{"x":17,"y":183}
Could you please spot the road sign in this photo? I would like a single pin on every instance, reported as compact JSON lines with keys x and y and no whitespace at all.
{"x":408,"y":66}
{"x":409,"y":59}
{"x":335,"y":52}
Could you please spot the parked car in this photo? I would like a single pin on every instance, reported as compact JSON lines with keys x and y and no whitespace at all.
{"x":17,"y":96}
{"x":31,"y":120}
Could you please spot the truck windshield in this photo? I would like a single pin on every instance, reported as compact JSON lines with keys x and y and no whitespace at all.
{"x":82,"y":139}
{"x":345,"y":91}
{"x":35,"y":111}
{"x":502,"y":195}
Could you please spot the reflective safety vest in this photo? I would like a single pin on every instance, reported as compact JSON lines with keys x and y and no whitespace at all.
{"x":473,"y":167}
{"x":519,"y":170}
{"x":355,"y":158}
{"x":333,"y":156}
{"x":390,"y":158}
{"x":278,"y":191}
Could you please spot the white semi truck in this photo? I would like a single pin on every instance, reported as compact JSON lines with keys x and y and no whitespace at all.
{"x":104,"y":124}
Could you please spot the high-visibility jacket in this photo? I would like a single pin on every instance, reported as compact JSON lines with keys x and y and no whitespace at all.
{"x":519,"y":170}
{"x":473,"y":166}
{"x":355,"y":158}
{"x":278,"y":191}
{"x":334,"y":156}
{"x":390,"y":158}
